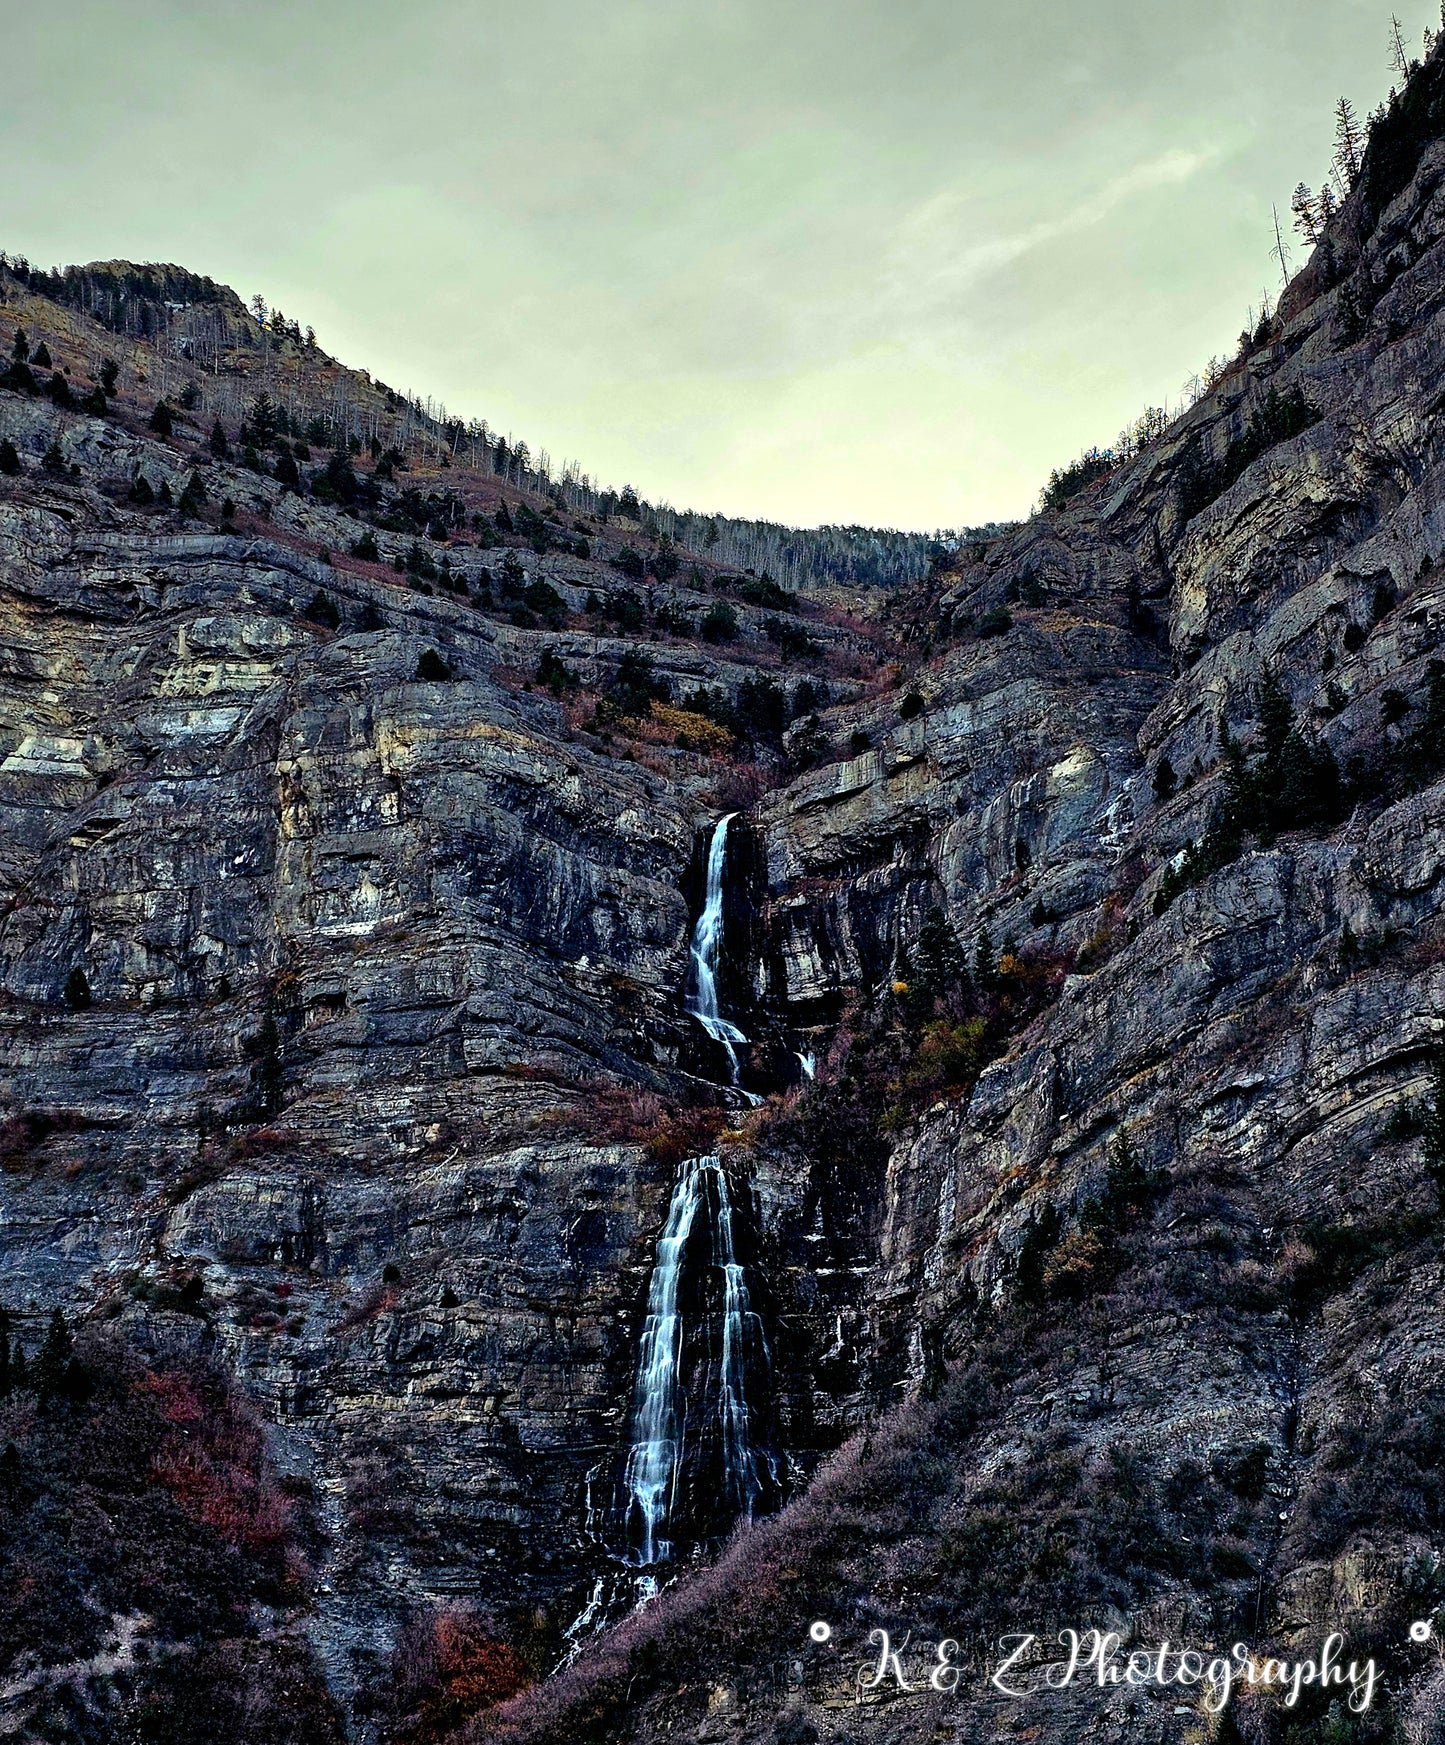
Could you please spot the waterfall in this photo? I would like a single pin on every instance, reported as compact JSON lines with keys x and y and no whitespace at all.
{"x":808,"y":1061}
{"x":706,"y":943}
{"x":658,"y":1405}
{"x":659,"y":1401}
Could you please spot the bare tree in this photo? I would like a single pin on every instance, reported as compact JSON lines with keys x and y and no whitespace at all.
{"x":1279,"y":248}
{"x":1399,"y":58}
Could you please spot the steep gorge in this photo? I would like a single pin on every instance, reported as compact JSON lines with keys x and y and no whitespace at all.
{"x":383,"y":1067}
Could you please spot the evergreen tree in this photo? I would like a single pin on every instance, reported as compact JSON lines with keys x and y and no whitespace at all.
{"x":58,"y":388}
{"x":288,"y":474}
{"x":20,"y":351}
{"x":163,"y":494}
{"x":193,"y":497}
{"x":6,"y":1378}
{"x":109,"y":376}
{"x":77,"y":989}
{"x":53,"y":461}
{"x":324,"y":610}
{"x":50,"y":1372}
{"x":940,"y":967}
{"x":218,"y":444}
{"x":41,"y":358}
{"x":1349,"y":144}
{"x":265,"y":420}
{"x":1306,"y":214}
{"x":141,"y":492}
{"x":367,"y":548}
{"x":9,"y":458}
{"x":162,"y":420}
{"x":431,"y":667}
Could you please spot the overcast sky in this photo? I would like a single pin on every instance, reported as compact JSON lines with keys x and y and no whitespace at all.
{"x":875,"y":260}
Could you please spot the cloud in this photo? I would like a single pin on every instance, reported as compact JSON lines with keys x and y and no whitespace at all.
{"x":922,"y":268}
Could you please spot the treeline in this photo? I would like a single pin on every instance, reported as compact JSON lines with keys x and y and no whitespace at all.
{"x":219,"y":353}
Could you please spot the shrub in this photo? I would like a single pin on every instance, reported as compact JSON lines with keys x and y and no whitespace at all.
{"x":366,"y":547}
{"x":162,"y":419}
{"x":431,"y":668}
{"x":995,"y":622}
{"x":719,"y":623}
{"x":543,"y":599}
{"x":690,"y":731}
{"x":324,"y":610}
{"x":635,"y":686}
{"x":9,"y":458}
{"x":449,"y":1665}
{"x":141,"y":1487}
{"x":911,"y":706}
{"x":555,"y":674}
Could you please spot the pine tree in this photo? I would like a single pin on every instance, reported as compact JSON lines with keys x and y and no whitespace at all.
{"x":41,"y":358}
{"x":193,"y":497}
{"x":218,"y":444}
{"x":77,"y":989}
{"x":58,"y":388}
{"x":20,"y":351}
{"x":162,"y":420}
{"x":163,"y":494}
{"x":109,"y":376}
{"x":1275,"y":713}
{"x":53,"y":461}
{"x":9,"y":458}
{"x":1306,"y":214}
{"x":941,"y":967}
{"x":264,"y":420}
{"x":51,"y":1370}
{"x":1349,"y":144}
{"x":141,"y":492}
{"x":6,"y":1378}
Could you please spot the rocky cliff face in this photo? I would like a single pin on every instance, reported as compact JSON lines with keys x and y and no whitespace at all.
{"x":343,"y":1033}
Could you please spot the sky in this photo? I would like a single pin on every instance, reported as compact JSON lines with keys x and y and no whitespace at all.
{"x":877,"y":261}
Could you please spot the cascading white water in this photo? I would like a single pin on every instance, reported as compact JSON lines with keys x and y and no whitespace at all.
{"x":740,"y":1458}
{"x":659,"y":1405}
{"x":706,"y":944}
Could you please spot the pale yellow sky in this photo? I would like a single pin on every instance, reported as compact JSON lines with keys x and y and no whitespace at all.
{"x":885,"y":261}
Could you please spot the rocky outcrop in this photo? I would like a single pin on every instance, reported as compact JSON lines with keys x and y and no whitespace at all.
{"x":343,"y":1033}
